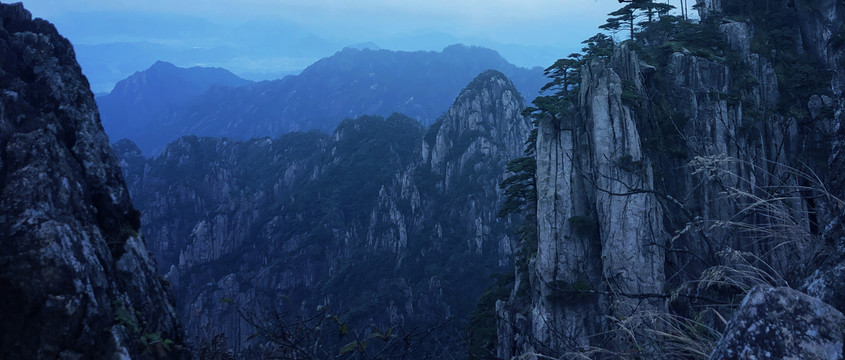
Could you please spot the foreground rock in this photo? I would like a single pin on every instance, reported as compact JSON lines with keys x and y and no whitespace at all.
{"x":781,"y":323}
{"x":76,"y":279}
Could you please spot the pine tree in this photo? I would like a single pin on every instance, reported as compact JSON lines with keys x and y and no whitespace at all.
{"x":626,"y":17}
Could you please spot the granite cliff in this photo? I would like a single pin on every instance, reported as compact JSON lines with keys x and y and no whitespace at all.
{"x":77,"y":281}
{"x":693,"y":165}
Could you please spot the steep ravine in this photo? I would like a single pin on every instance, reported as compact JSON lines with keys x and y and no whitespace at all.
{"x":649,"y":196}
{"x":382,"y":220}
{"x":77,"y":281}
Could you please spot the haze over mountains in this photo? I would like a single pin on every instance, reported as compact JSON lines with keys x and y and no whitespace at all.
{"x":156,"y":106}
{"x":112,"y":45}
{"x":676,"y":195}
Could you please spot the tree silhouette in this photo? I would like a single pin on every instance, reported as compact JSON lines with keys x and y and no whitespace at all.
{"x":626,"y":17}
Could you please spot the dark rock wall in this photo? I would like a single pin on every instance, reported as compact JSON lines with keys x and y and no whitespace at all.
{"x":76,"y":279}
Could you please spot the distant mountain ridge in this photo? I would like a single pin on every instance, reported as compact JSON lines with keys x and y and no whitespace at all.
{"x":349,"y":84}
{"x":137,"y":105}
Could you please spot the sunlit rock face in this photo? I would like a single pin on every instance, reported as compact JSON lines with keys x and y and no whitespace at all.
{"x":77,"y":281}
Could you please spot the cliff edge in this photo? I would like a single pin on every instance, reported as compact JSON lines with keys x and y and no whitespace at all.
{"x":77,"y":281}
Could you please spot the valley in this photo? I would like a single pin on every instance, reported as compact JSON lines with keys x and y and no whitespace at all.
{"x":672,"y":191}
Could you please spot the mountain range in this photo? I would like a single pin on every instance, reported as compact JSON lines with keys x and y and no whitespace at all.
{"x":349,"y":84}
{"x":388,"y":222}
{"x":679,"y":195}
{"x":111,"y":45}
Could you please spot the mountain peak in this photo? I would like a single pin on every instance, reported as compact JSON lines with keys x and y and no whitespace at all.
{"x":369,"y":45}
{"x":485,"y":119}
{"x":161,"y":89}
{"x":488,"y":80}
{"x":162,"y":65}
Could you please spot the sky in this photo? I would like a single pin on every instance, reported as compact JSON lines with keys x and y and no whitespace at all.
{"x":266,"y":39}
{"x":531,"y":22}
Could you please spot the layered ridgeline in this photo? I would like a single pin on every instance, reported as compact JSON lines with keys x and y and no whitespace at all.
{"x":349,"y":84}
{"x":384,"y":221}
{"x":141,"y":105}
{"x":677,"y":173}
{"x":76,"y":279}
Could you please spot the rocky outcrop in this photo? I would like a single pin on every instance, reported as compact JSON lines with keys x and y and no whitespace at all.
{"x":826,"y":279}
{"x":483,"y":122}
{"x":360,"y":221}
{"x":781,"y":323}
{"x":654,"y":182}
{"x":599,"y":227}
{"x":708,"y":7}
{"x":465,"y":152}
{"x":822,"y":25}
{"x":77,"y":280}
{"x":132,"y":162}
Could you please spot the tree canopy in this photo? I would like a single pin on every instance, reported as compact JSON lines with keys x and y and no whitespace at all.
{"x":626,"y":17}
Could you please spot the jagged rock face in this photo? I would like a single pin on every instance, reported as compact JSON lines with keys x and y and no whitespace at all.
{"x":594,"y":231}
{"x":708,"y":7}
{"x":485,"y":120}
{"x":781,"y":323}
{"x":630,"y":224}
{"x":826,"y":280}
{"x":626,"y":215}
{"x":77,"y":280}
{"x":822,"y":24}
{"x":467,"y":150}
{"x":132,"y":162}
{"x":357,"y":220}
{"x":453,"y":189}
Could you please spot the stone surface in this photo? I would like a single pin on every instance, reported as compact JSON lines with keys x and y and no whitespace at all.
{"x":827,"y":272}
{"x":77,"y":280}
{"x":708,"y":7}
{"x":781,"y":323}
{"x":660,"y":158}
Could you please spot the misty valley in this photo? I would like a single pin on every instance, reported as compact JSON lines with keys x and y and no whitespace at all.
{"x":673,"y":190}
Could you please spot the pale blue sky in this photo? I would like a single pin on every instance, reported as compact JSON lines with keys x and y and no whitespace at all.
{"x":267,"y":39}
{"x":528,"y":22}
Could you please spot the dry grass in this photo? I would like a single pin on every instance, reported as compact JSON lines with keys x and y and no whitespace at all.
{"x":767,"y":235}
